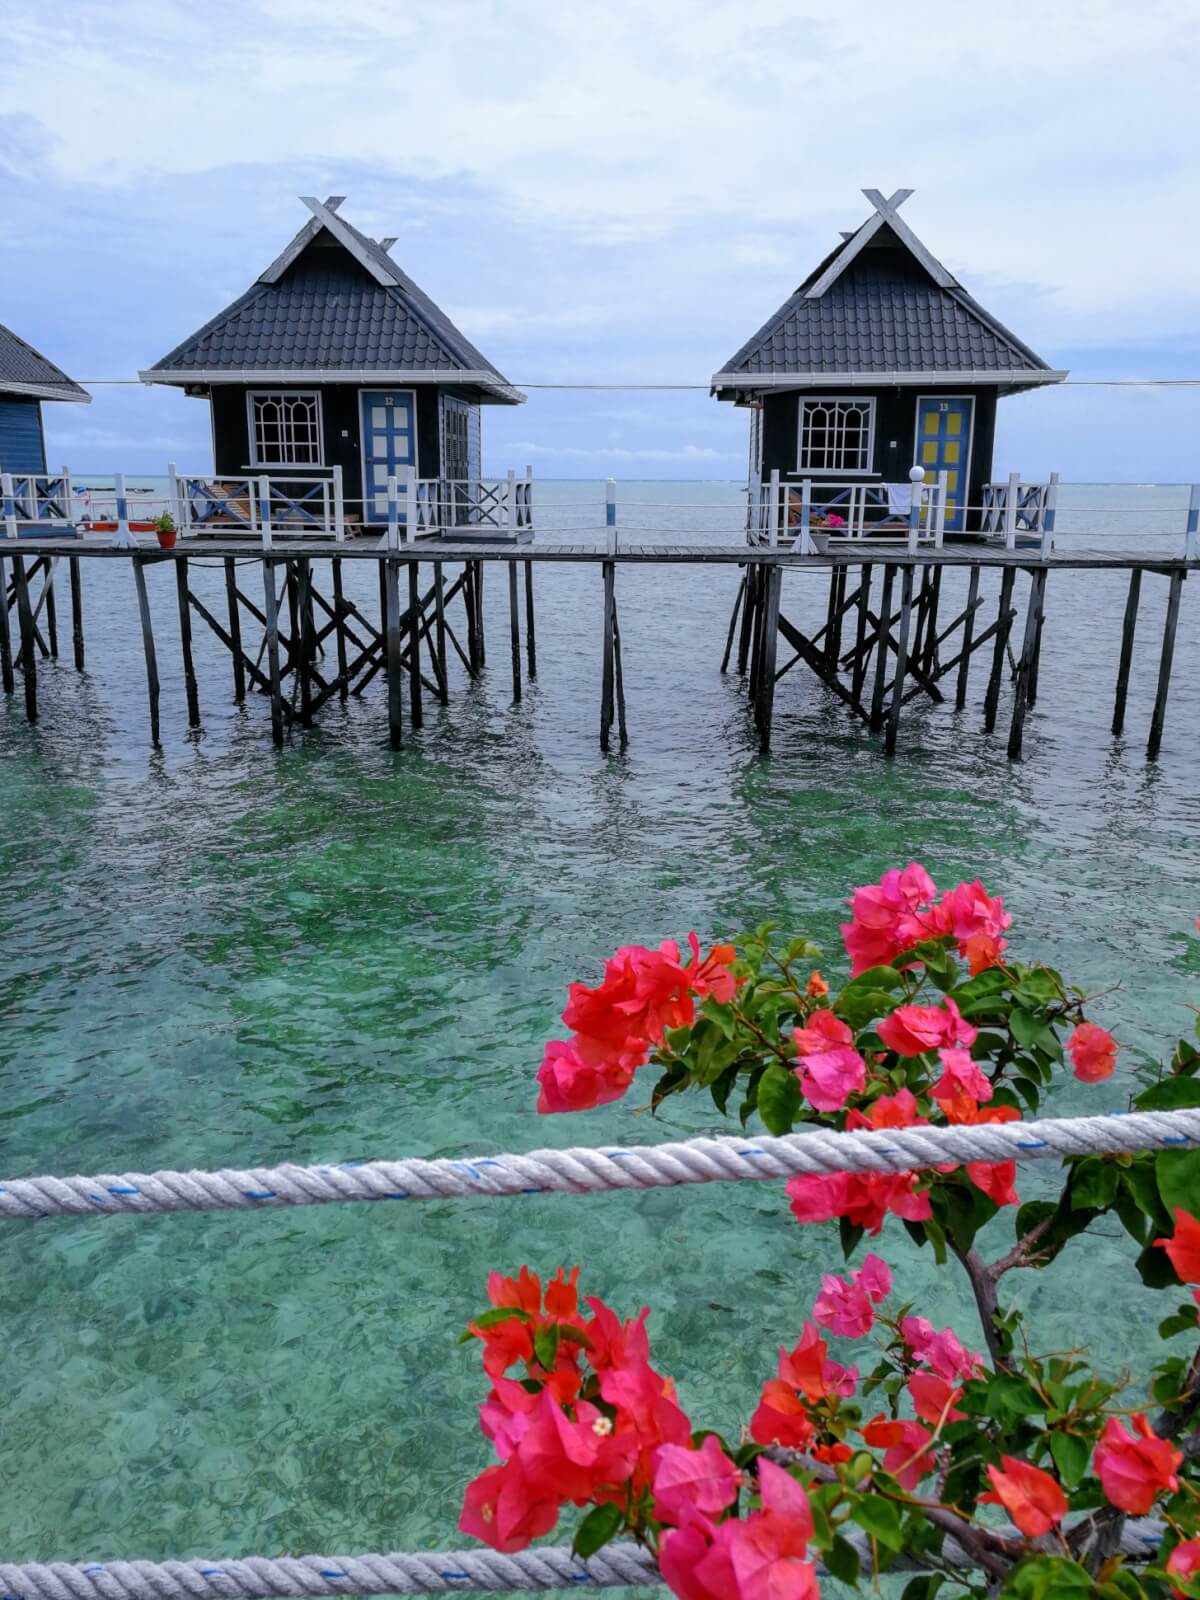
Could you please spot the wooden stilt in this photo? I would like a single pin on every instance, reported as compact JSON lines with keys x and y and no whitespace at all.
{"x":51,"y":608}
{"x":606,"y":675}
{"x":768,"y":645}
{"x":1128,"y":628}
{"x":733,"y":621}
{"x":391,"y":624}
{"x":417,"y":710}
{"x":1164,"y":664}
{"x":1036,"y":663}
{"x":306,"y":654}
{"x":530,"y":637}
{"x":6,"y":656}
{"x":758,"y":591}
{"x":964,"y":664}
{"x":185,"y":641}
{"x":860,"y":632}
{"x":271,"y":620}
{"x":143,"y":600}
{"x":480,"y":630}
{"x":1037,"y":592}
{"x":76,"y":580}
{"x":472,"y":618}
{"x":893,"y":722}
{"x":619,"y":677}
{"x":235,"y":631}
{"x":339,"y":632}
{"x":1004,"y":618}
{"x":745,"y":637}
{"x":514,"y":629}
{"x":28,"y":652}
{"x":929,"y":652}
{"x":881,"y":648}
{"x":833,"y":616}
{"x":439,"y":607}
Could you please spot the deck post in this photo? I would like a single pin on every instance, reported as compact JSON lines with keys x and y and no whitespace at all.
{"x":514,"y":629}
{"x":1191,"y":538}
{"x":415,"y":617}
{"x":760,"y":600}
{"x":619,"y":676}
{"x":1128,"y":629}
{"x":304,"y":642}
{"x":391,"y":538}
{"x":943,"y":489}
{"x":530,"y":638}
{"x":1011,"y":497}
{"x":235,"y":630}
{"x":774,"y":512}
{"x":339,"y":626}
{"x":51,"y":604}
{"x":174,"y":500}
{"x":510,"y":503}
{"x":893,"y":721}
{"x":733,"y":621}
{"x":339,"y":510}
{"x":1033,"y":617}
{"x":1004,"y":619}
{"x":468,"y":583}
{"x":610,"y":513}
{"x":439,"y":634}
{"x":916,"y":477}
{"x":185,"y":641}
{"x":124,"y":537}
{"x":807,"y":543}
{"x":606,"y":672}
{"x":143,"y":600}
{"x":929,"y":652}
{"x":747,"y":628}
{"x":10,"y":530}
{"x":271,"y":613}
{"x":881,"y":646}
{"x":764,"y":711}
{"x":76,"y":579}
{"x":1049,"y":513}
{"x":412,"y":510}
{"x":964,"y":661}
{"x":28,"y":653}
{"x":395,"y":676}
{"x":833,"y":622}
{"x":1164,"y":664}
{"x":860,"y":631}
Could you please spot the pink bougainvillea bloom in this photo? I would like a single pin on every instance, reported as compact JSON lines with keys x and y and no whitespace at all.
{"x":914,"y":1030}
{"x":1032,"y":1498}
{"x":1135,"y":1468}
{"x":500,"y":1509}
{"x":934,"y":1398}
{"x":961,"y":1079}
{"x":874,"y":1278}
{"x":905,"y":1447}
{"x":679,"y":1556}
{"x":693,"y":1484}
{"x":843,"y":1308}
{"x":571,"y":1083}
{"x":942,"y":1352}
{"x":822,"y":1032}
{"x":897,"y":1110}
{"x":830,"y":1071}
{"x":613,"y":1343}
{"x":804,"y":1367}
{"x":782,"y":1417}
{"x":1093,"y":1051}
{"x":768,"y":1549}
{"x":886,"y":918}
{"x":1184,"y":1248}
{"x":1184,"y":1562}
{"x":997,"y":1179}
{"x":571,"y":1460}
{"x":712,"y":975}
{"x":977,"y":922}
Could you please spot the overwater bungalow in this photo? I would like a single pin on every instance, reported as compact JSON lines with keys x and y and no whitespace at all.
{"x":26,"y":379}
{"x":880,"y":361}
{"x":332,"y":374}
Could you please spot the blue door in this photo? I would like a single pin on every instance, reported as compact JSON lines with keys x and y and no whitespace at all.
{"x":389,"y":444}
{"x":944,"y":445}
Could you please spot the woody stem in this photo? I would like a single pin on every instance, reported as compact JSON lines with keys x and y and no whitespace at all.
{"x":983,"y":1286}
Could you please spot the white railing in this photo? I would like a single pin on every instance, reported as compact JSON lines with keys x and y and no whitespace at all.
{"x":43,"y":498}
{"x":479,"y":506}
{"x":1012,"y":508}
{"x":283,"y":503}
{"x":791,"y":513}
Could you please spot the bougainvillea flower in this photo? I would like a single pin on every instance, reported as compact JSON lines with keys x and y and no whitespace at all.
{"x":506,"y":1414}
{"x":863,"y":1198}
{"x":781,"y":1417}
{"x":816,"y":987}
{"x":712,"y":975}
{"x":961,"y":1082}
{"x":574,"y":1459}
{"x":691,"y":1484}
{"x":886,"y":917}
{"x":767,"y":1549}
{"x":828,"y":1080}
{"x":977,"y":921}
{"x":897,"y":1110}
{"x":679,"y":1555}
{"x":1184,"y":1562}
{"x":1032,"y":1498}
{"x":570,"y":1082}
{"x":834,"y":1454}
{"x":1093,"y":1051}
{"x":1184,"y":1248}
{"x":840,"y":1380}
{"x":1134,"y":1468}
{"x":847,"y":1306}
{"x":997,"y":1179}
{"x":804,"y":1368}
{"x":914,"y":1030}
{"x":500,"y":1509}
{"x":822,"y":1032}
{"x":934,"y":1398}
{"x":647,"y":1406}
{"x":874,"y":1278}
{"x":613,"y":1343}
{"x":904,"y":1444}
{"x":942,"y":1352}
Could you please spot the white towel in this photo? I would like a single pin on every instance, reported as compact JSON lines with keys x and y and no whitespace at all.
{"x":899,"y":499}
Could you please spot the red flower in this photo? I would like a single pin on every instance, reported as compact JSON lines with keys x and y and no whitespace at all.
{"x":693,"y":1485}
{"x":1031,"y":1497}
{"x":1184,"y":1248}
{"x":864,"y":1198}
{"x":885,"y":917}
{"x":961,"y":1086}
{"x":1134,"y":1468}
{"x":613,"y":1343}
{"x":781,"y":1417}
{"x":977,"y":922}
{"x":904,"y":1443}
{"x":934,"y":1397}
{"x":914,"y":1030}
{"x":570,"y":1082}
{"x":942,"y":1352}
{"x":500,"y":1509}
{"x":816,"y":987}
{"x":680,"y":1554}
{"x":572,"y":1460}
{"x":1184,"y":1562}
{"x":830,"y":1069}
{"x":1094,"y":1052}
{"x":712,"y":975}
{"x":765,"y":1552}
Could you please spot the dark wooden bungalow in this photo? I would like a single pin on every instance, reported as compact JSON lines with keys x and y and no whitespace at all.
{"x":335,"y":358}
{"x":26,"y":379}
{"x":880,"y":361}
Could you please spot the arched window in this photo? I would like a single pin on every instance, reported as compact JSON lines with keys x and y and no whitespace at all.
{"x":836,"y":435}
{"x":285,"y":429}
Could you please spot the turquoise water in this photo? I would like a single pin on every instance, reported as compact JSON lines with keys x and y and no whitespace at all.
{"x":219,"y":954}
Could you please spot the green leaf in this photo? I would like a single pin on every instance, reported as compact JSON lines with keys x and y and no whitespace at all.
{"x":872,"y":978}
{"x":1178,"y":1322}
{"x":1071,"y":1455}
{"x":1011,"y":1396}
{"x":1046,"y":1578}
{"x":489,"y":1319}
{"x":923,"y":1588}
{"x":778,"y":1098}
{"x":1029,"y":1092}
{"x":850,"y":1233}
{"x":881,"y":1519}
{"x":842,"y":1560}
{"x":574,"y":1335}
{"x":545,"y":1345}
{"x":1155,"y":1269}
{"x":1143,"y":1186}
{"x":1094,"y":1183}
{"x":1172,"y":1094}
{"x":1025,"y":1026}
{"x":1178,"y":1175}
{"x":672,"y":1080}
{"x":722,"y":1087}
{"x":601,"y":1524}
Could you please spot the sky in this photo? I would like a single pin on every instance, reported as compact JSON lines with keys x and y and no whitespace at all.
{"x":617,"y":194}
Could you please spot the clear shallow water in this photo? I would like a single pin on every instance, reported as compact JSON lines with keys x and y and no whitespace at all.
{"x":218,"y":954}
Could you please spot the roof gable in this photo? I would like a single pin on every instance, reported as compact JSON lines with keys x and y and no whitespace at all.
{"x":882,"y":305}
{"x":25,"y":371}
{"x":332,"y":305}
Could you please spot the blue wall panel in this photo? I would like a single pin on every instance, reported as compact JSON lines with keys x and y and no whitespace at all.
{"x":21,"y":445}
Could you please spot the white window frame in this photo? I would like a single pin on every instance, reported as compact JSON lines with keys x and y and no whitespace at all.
{"x":856,"y":400}
{"x":283,"y":394}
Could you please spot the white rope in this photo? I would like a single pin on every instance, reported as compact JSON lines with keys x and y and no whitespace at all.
{"x":419,"y":1572}
{"x":592,"y":1171}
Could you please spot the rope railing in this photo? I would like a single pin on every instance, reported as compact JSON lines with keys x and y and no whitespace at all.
{"x":588,"y":1170}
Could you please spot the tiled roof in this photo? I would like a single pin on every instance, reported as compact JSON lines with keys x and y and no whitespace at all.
{"x":883,"y":314}
{"x":22,"y":369}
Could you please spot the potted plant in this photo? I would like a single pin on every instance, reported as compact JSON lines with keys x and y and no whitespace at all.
{"x":164,"y":530}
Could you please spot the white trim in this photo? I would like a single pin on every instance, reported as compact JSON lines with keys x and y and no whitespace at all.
{"x":450,"y":377}
{"x":884,"y":213}
{"x":252,"y":432}
{"x":347,"y":239}
{"x":839,"y":470}
{"x":965,"y":481}
{"x":999,"y":377}
{"x":365,"y":494}
{"x":43,"y":391}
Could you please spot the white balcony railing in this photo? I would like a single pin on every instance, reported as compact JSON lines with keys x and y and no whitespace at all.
{"x":1012,"y":509}
{"x":792,"y":513}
